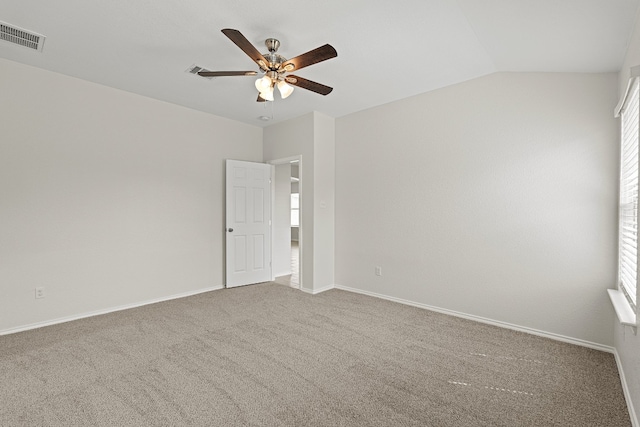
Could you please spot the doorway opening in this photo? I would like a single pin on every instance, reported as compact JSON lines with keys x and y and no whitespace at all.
{"x":287,"y":247}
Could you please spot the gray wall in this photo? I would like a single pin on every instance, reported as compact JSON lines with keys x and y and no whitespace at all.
{"x":495,"y":198}
{"x":324,"y":204}
{"x":107,"y":198}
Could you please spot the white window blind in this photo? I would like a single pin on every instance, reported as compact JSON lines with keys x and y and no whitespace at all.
{"x":628,"y":257}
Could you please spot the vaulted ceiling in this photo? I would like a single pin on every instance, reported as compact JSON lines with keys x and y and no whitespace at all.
{"x":386,"y":50}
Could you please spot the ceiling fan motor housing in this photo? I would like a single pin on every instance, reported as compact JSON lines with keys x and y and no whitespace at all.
{"x":275,"y":61}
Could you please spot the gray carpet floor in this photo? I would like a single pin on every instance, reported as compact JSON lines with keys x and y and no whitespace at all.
{"x":269,"y":355}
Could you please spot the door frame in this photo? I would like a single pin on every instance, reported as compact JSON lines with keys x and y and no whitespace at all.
{"x":283,"y":161}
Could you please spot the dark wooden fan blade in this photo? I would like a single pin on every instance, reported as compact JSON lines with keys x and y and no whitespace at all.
{"x":246,"y":46}
{"x":226,"y":73}
{"x":308,"y":84}
{"x":312,"y":57}
{"x":261,"y":99}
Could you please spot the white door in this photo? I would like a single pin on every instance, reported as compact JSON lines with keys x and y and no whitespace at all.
{"x":248,"y":223}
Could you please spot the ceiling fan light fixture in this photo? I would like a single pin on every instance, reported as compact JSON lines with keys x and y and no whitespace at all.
{"x":267,"y":94}
{"x":285,"y":89}
{"x":263,"y":83}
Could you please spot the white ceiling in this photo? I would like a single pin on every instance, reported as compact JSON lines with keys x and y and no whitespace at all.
{"x":386,"y":50}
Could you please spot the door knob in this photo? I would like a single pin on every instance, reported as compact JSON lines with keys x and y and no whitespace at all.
{"x":230,"y":230}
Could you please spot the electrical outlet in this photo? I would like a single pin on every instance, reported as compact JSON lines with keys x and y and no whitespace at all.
{"x":378,"y":270}
{"x":40,"y":292}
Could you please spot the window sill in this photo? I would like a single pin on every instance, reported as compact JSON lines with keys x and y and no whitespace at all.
{"x":625,"y":313}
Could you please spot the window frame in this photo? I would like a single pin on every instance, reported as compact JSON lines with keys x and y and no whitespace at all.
{"x":629,"y":182}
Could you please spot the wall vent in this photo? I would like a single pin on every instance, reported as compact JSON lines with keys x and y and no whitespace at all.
{"x":21,"y":37}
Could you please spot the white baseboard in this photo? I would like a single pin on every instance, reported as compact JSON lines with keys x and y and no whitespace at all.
{"x":105,"y":311}
{"x":480,"y":319}
{"x":282,"y":273}
{"x":627,"y":393}
{"x":317,"y":291}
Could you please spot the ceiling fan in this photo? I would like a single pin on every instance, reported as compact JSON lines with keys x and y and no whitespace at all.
{"x":275,"y":67}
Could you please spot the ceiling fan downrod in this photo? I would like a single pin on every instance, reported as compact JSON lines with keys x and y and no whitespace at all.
{"x":272,"y":44}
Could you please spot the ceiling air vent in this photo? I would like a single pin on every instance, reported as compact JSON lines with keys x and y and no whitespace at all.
{"x":194,"y":69}
{"x":21,"y":37}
